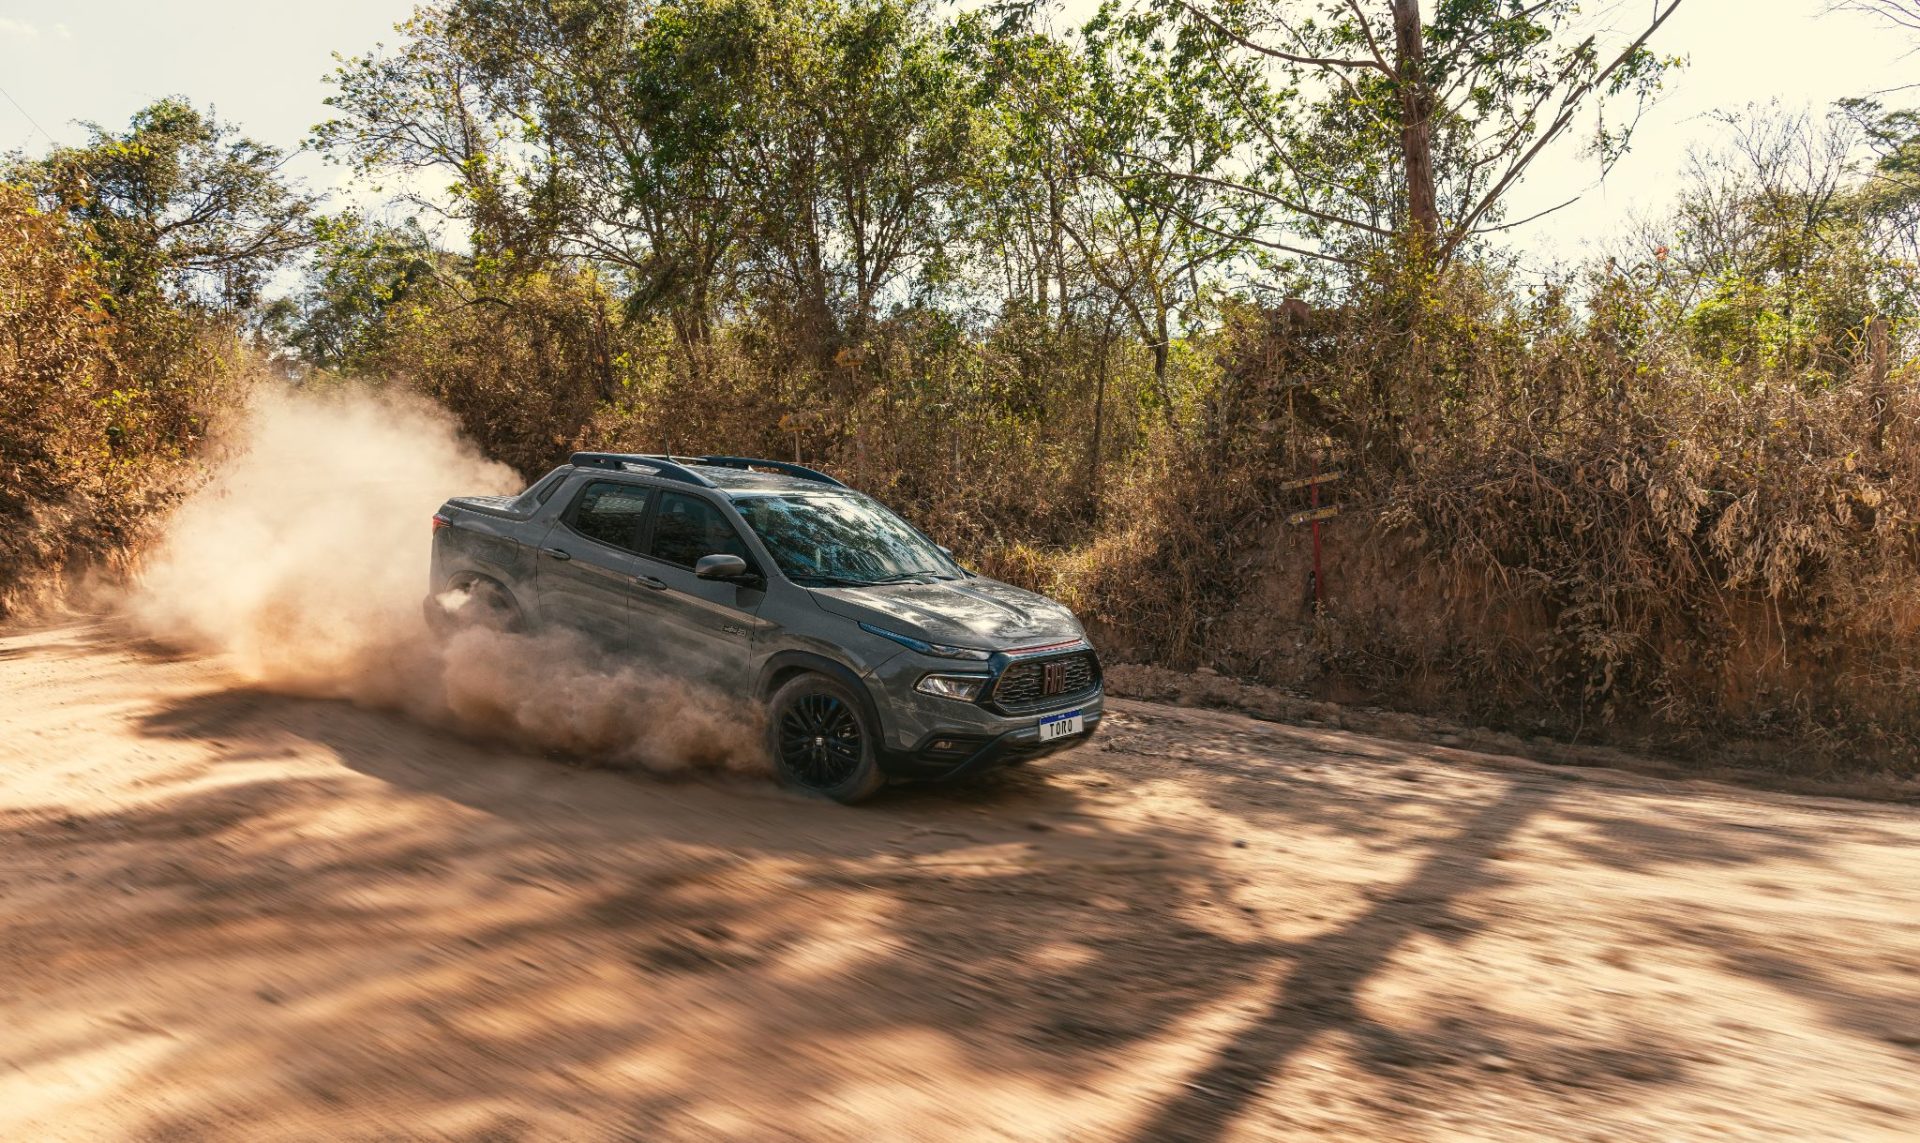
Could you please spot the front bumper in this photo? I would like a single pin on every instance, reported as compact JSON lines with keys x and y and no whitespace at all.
{"x":944,"y":754}
{"x":927,"y":737}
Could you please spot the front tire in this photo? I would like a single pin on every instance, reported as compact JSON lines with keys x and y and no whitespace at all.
{"x":822,"y":741}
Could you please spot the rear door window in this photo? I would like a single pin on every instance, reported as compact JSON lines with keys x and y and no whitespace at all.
{"x":611,"y":513}
{"x":689,"y":527}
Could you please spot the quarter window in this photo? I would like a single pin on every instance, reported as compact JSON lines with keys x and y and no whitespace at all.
{"x":610,"y":513}
{"x":689,"y":527}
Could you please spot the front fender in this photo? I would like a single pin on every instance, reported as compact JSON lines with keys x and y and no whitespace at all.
{"x":784,"y":662}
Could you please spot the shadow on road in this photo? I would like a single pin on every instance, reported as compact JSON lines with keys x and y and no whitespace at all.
{"x":345,"y":910}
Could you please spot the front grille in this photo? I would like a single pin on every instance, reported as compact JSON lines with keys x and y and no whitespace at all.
{"x":1034,"y":681}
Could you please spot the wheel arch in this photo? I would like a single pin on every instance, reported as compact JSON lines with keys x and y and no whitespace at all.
{"x":468,"y":578}
{"x":785,"y":665}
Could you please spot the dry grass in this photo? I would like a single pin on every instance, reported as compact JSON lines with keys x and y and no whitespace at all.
{"x":1578,"y":525}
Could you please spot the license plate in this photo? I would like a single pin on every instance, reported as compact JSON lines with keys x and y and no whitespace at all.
{"x":1061,"y":725}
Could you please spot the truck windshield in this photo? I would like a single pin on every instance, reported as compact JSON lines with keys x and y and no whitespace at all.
{"x":831,"y":538}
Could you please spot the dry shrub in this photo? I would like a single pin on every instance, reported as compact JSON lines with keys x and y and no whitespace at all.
{"x":1154,"y":581}
{"x":1567,"y":520}
{"x":1707,"y":557}
{"x":993,"y":440}
{"x":988,"y":444}
{"x":104,"y":405}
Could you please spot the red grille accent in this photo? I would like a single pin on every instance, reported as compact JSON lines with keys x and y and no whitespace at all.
{"x":1039,"y":647}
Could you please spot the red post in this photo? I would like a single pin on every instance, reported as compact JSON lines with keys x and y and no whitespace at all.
{"x":1314,"y":502}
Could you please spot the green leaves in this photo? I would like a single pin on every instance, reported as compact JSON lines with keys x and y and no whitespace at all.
{"x":1781,"y":249}
{"x":1394,"y":129}
{"x":179,"y":204}
{"x":361,"y":270}
{"x":715,"y":153}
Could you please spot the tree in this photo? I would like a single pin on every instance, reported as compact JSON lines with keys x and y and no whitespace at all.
{"x":1779,"y":253}
{"x":856,"y":163}
{"x":180,"y":203}
{"x":423,"y":113}
{"x":716,"y":153}
{"x":1031,"y":92}
{"x":1415,"y":130}
{"x":1892,"y":190}
{"x":360,"y":270}
{"x":1152,"y":107}
{"x":632,"y":148}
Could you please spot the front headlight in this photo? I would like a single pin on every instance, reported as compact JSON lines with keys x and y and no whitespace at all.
{"x":937,"y":650}
{"x":963,"y":688}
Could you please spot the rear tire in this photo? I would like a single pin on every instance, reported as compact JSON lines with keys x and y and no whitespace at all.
{"x":485,"y":604}
{"x":822,"y":741}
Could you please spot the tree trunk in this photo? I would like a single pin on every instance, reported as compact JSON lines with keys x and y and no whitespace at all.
{"x":1416,"y":128}
{"x":1057,"y":245}
{"x":1162,"y":358}
{"x":1099,"y":423}
{"x":1877,"y":371}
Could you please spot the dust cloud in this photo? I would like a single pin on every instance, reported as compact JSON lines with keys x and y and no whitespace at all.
{"x":304,"y":561}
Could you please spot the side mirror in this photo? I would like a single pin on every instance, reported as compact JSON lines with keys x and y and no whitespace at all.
{"x":721,"y":566}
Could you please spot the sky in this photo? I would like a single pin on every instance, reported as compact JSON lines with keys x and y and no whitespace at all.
{"x":263,"y":65}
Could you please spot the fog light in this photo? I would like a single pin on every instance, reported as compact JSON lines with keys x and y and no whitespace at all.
{"x":952,"y":749}
{"x":964,"y":688}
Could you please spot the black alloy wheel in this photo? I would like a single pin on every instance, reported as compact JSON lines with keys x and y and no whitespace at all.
{"x":820,"y":740}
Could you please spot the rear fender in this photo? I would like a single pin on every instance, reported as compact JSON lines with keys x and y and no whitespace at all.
{"x":468,"y":580}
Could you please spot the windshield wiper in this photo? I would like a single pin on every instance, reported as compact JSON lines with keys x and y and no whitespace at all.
{"x":845,"y":581}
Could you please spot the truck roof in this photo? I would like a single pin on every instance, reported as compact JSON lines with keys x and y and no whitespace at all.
{"x":733,"y":475}
{"x":734,"y":482}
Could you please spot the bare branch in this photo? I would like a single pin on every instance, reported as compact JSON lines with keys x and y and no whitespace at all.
{"x":1276,"y":53}
{"x":1366,"y":29}
{"x":1279,"y":200}
{"x":1901,"y":13}
{"x":1569,"y":104}
{"x":1530,"y":218}
{"x":1269,"y":244}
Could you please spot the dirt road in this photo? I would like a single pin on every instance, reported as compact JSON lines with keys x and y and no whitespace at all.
{"x":229,"y":914}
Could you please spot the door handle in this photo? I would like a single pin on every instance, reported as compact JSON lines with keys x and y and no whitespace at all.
{"x":558,"y":553}
{"x":649,"y":581}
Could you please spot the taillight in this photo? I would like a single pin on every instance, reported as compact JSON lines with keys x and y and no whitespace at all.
{"x":440,"y":521}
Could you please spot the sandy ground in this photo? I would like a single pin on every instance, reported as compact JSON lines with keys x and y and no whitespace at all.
{"x":229,"y":914}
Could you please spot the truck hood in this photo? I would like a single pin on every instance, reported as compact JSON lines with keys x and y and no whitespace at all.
{"x":975,"y":612}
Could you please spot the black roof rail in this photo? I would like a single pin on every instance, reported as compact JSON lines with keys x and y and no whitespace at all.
{"x":640,"y":463}
{"x":676,"y":467}
{"x":780,"y":466}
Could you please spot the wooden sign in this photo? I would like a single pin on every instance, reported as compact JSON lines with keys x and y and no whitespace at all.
{"x":1313,"y":514}
{"x":1309,"y":481}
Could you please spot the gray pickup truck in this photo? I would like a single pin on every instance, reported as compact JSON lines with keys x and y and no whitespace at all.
{"x":875,"y":654}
